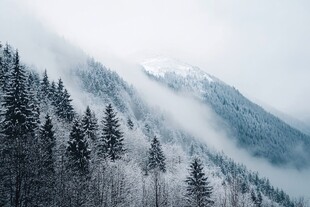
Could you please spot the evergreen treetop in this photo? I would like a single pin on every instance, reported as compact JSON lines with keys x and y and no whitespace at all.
{"x":111,"y":140}
{"x":77,"y":150}
{"x":156,"y":159}
{"x":198,"y":189}
{"x":89,"y":124}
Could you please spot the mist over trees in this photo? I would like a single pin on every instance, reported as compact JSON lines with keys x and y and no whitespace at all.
{"x":50,"y":155}
{"x":262,"y":134}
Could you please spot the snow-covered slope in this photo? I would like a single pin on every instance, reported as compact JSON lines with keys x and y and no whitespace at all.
{"x":256,"y":130}
{"x":160,"y":67}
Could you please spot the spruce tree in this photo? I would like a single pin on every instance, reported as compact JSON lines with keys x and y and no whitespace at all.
{"x":47,"y":162}
{"x":62,"y":103}
{"x":52,"y":93}
{"x":7,"y":65}
{"x":1,"y":67}
{"x":259,"y":199}
{"x":77,"y":150}
{"x":253,"y":196}
{"x":18,"y":143}
{"x":156,"y":159}
{"x":47,"y":146}
{"x":66,"y":107}
{"x":111,"y":141}
{"x":89,"y":124}
{"x":130,"y":124}
{"x":198,"y":189}
{"x":44,"y":86}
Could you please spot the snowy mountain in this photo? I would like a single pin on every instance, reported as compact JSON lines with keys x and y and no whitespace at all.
{"x":261,"y":133}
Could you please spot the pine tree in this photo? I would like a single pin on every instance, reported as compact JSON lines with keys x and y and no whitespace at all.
{"x":89,"y":124}
{"x":156,"y":165}
{"x":156,"y":159}
{"x":77,"y":150}
{"x":52,"y":93}
{"x":198,"y":189}
{"x":253,"y":196}
{"x":67,"y":109}
{"x":259,"y":199}
{"x":47,"y":162}
{"x":2,"y":73}
{"x":130,"y":124}
{"x":44,"y":86}
{"x":7,"y":65}
{"x":62,"y":103}
{"x":111,"y":141}
{"x":18,"y":142}
{"x":47,"y":145}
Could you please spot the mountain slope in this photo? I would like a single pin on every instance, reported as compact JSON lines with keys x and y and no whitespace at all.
{"x":256,"y":130}
{"x":97,"y":86}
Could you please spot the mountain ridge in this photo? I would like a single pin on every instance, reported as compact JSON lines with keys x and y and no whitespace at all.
{"x":261,"y":133}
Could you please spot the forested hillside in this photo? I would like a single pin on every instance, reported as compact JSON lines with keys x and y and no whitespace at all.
{"x":256,"y":130}
{"x":118,"y":152}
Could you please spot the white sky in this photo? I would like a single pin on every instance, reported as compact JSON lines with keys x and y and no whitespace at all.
{"x":261,"y":47}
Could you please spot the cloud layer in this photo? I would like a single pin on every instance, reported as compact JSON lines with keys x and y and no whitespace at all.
{"x":260,"y":47}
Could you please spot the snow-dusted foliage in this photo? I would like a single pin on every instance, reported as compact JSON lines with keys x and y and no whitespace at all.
{"x":64,"y":155}
{"x":256,"y":130}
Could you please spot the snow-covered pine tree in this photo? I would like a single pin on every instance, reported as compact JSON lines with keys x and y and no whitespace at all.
{"x":68,"y":112}
{"x":44,"y":86}
{"x":47,"y":145}
{"x":52,"y":93}
{"x":156,"y":159}
{"x":156,"y":165}
{"x":111,"y":141}
{"x":77,"y":150}
{"x":18,"y":141}
{"x":259,"y":199}
{"x":47,"y":162}
{"x":89,"y":124}
{"x":7,"y":64}
{"x":198,"y":189}
{"x":130,"y":124}
{"x":1,"y":67}
{"x":62,"y":103}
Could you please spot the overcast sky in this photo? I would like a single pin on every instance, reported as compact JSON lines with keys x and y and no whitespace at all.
{"x":261,"y":47}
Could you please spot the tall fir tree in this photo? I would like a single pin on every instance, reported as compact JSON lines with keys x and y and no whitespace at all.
{"x":47,"y":170}
{"x":44,"y":86}
{"x":111,"y":141}
{"x":62,"y":103}
{"x":7,"y":65}
{"x":156,"y":158}
{"x":89,"y":124}
{"x":18,"y":141}
{"x":198,"y":189}
{"x":47,"y":146}
{"x":77,"y":150}
{"x":52,"y":94}
{"x":1,"y":67}
{"x":66,"y":107}
{"x":130,"y":124}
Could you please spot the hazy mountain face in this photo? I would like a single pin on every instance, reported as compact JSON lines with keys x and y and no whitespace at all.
{"x":256,"y":130}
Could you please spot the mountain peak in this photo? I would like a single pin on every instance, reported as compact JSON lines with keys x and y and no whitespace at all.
{"x":161,"y":66}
